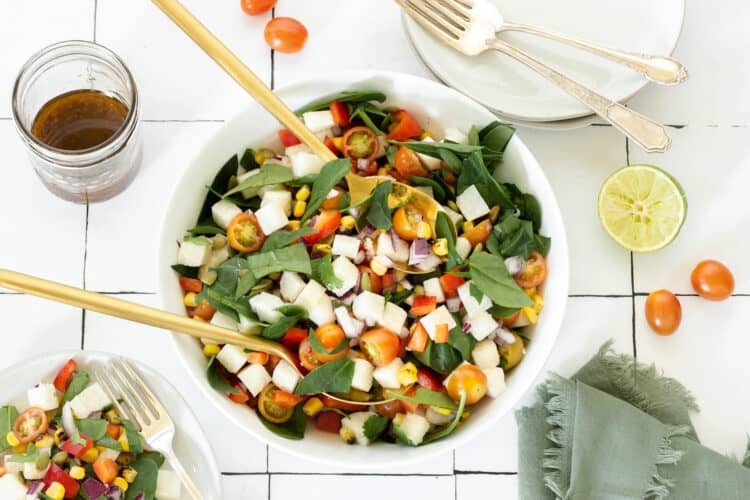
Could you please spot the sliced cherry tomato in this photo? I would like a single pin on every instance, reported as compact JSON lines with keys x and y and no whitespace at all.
{"x":534,"y":273}
{"x":307,"y":356}
{"x":423,"y":304}
{"x":389,"y":281}
{"x":330,"y":335}
{"x":450,"y":283}
{"x":106,"y":470}
{"x":328,"y":421}
{"x":286,"y":399}
{"x":62,"y":379}
{"x":405,"y":221}
{"x":257,"y":358}
{"x":428,"y":379}
{"x":332,"y":203}
{"x":77,"y":449}
{"x":389,"y":409}
{"x":56,"y":475}
{"x":380,"y":345}
{"x":204,"y":311}
{"x":330,"y":145}
{"x":287,"y":138}
{"x":285,"y":34}
{"x":403,"y":126}
{"x":329,"y":402}
{"x":340,"y":113}
{"x":712,"y":280}
{"x":293,"y":337}
{"x":470,"y":379}
{"x":244,"y":233}
{"x":441,"y":333}
{"x":255,"y":7}
{"x":663,"y":312}
{"x":409,"y":406}
{"x":113,"y":431}
{"x":190,"y":285}
{"x":269,"y":409}
{"x":242,"y":395}
{"x":511,"y":319}
{"x":407,"y":163}
{"x":369,"y":281}
{"x":479,"y":233}
{"x":30,"y":425}
{"x":325,"y":225}
{"x":417,"y":338}
{"x":360,"y":143}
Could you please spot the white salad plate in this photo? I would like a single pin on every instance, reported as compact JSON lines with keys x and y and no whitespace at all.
{"x":518,"y":93}
{"x":190,"y":444}
{"x":435,"y":107}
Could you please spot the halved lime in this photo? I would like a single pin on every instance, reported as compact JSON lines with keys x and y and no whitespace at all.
{"x":642,"y":207}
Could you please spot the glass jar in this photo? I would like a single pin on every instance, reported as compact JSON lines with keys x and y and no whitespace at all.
{"x":85,"y":175}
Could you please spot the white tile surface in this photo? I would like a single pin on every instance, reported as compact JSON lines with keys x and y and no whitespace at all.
{"x":713,"y":166}
{"x":361,"y":487}
{"x":278,"y":461}
{"x":245,"y":487}
{"x":486,"y":487}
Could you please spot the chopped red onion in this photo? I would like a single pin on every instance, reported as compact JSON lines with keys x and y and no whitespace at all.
{"x":114,"y":493}
{"x":360,"y":257}
{"x":93,"y":488}
{"x":504,"y":336}
{"x":431,"y":262}
{"x":419,"y":251}
{"x":363,"y":164}
{"x":34,"y":489}
{"x":387,"y":262}
{"x":367,"y":231}
{"x":453,"y":304}
{"x":355,"y":212}
{"x":369,"y":248}
{"x":466,"y":326}
{"x":404,"y":333}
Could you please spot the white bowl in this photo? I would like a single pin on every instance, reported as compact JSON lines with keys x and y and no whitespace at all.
{"x":190,"y":444}
{"x":435,"y":106}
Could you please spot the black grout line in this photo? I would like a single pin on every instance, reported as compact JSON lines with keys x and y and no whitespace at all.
{"x":6,"y":118}
{"x":268,"y":469}
{"x":85,"y":257}
{"x":268,"y":483}
{"x":455,"y":481}
{"x":96,"y":8}
{"x":483,"y":473}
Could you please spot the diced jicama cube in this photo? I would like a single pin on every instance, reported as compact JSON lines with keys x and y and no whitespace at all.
{"x":387,"y":376}
{"x":291,"y":284}
{"x":285,"y":376}
{"x":223,"y":321}
{"x":249,"y":326}
{"x":348,"y":246}
{"x":32,"y":473}
{"x":11,"y":468}
{"x":470,"y":303}
{"x":281,"y":197}
{"x":454,"y":135}
{"x":385,"y":245}
{"x":441,"y":315}
{"x":223,"y":212}
{"x":255,"y":377}
{"x":232,"y":358}
{"x":347,"y":273}
{"x":352,"y":326}
{"x":481,"y":324}
{"x":263,"y":190}
{"x":432,"y":287}
{"x":318,"y":304}
{"x":393,"y":247}
{"x":429,"y":162}
{"x":318,"y":121}
{"x":495,"y":381}
{"x":168,"y":485}
{"x":485,"y":354}
{"x":108,"y":453}
{"x":414,"y":427}
{"x":93,"y":398}
{"x":218,"y":256}
{"x":393,"y":318}
{"x":297,"y":148}
{"x":194,"y":252}
{"x":264,"y":305}
{"x":43,"y":396}
{"x":463,"y":247}
{"x":11,"y":487}
{"x":369,"y":307}
{"x":471,"y":203}
{"x":271,"y":218}
{"x":362,"y":379}
{"x":355,"y":422}
{"x":305,"y":163}
{"x":252,"y":191}
{"x":454,"y":216}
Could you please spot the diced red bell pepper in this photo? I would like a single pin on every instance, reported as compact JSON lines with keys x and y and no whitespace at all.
{"x":62,"y":379}
{"x":77,"y":449}
{"x":190,"y":285}
{"x":340,"y":113}
{"x":450,"y":283}
{"x":441,"y":333}
{"x":285,"y":399}
{"x":113,"y":431}
{"x":329,"y":421}
{"x":242,"y":397}
{"x":428,"y":379}
{"x":294,"y":337}
{"x":257,"y":358}
{"x":204,"y":311}
{"x":418,"y":338}
{"x":325,"y":225}
{"x":404,"y":126}
{"x":330,"y":145}
{"x":56,"y":474}
{"x":287,"y":138}
{"x":423,"y":304}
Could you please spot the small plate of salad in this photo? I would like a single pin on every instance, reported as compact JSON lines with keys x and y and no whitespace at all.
{"x":61,"y":438}
{"x":283,"y":245}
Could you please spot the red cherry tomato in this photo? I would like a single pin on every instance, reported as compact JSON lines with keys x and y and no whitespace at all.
{"x":285,"y":34}
{"x":428,"y":379}
{"x":242,"y":395}
{"x":534,"y":273}
{"x":403,"y":126}
{"x":329,"y":421}
{"x":360,"y":143}
{"x":325,"y":225}
{"x":255,"y":7}
{"x":469,"y":379}
{"x":380,"y":345}
{"x":65,"y":374}
{"x":307,"y":356}
{"x":30,"y":425}
{"x":663,"y":312}
{"x":712,"y":280}
{"x":407,"y":163}
{"x":340,"y":113}
{"x":370,"y":281}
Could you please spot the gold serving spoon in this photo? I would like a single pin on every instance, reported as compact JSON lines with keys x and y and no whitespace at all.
{"x":359,"y":187}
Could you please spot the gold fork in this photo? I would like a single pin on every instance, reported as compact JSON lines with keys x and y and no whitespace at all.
{"x":456,"y":23}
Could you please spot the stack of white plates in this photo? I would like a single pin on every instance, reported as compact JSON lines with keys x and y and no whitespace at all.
{"x":518,"y":95}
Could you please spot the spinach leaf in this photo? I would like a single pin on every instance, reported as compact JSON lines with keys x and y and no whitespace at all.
{"x":444,"y":228}
{"x":452,"y":160}
{"x":248,"y":160}
{"x":335,"y":376}
{"x":473,"y":137}
{"x":462,"y":342}
{"x":155,"y":457}
{"x":206,"y":230}
{"x":270,"y":173}
{"x":374,"y":427}
{"x":438,"y":190}
{"x":281,"y":239}
{"x":491,"y":276}
{"x":186,"y":271}
{"x":303,"y":181}
{"x":245,"y":284}
{"x":225,"y":295}
{"x":434,"y":436}
{"x":8,"y":415}
{"x":390,"y":154}
{"x":378,"y":213}
{"x":368,"y":113}
{"x":219,"y":185}
{"x":398,"y":298}
{"x":292,"y":309}
{"x":291,"y":258}
{"x":532,"y":211}
{"x":433,"y":149}
{"x":217,"y":380}
{"x":543,"y":244}
{"x":514,"y":236}
{"x":294,"y":428}
{"x":426,"y":397}
{"x":229,"y":305}
{"x":133,"y":436}
{"x":320,"y":348}
{"x":442,"y":358}
{"x":351,"y":97}
{"x":474,"y":172}
{"x":77,"y":384}
{"x":330,"y":175}
{"x":145,"y":480}
{"x":292,"y":314}
{"x":495,"y":137}
{"x":322,"y":272}
{"x":93,"y":428}
{"x":108,"y":442}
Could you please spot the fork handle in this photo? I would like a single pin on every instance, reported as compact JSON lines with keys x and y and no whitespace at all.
{"x":658,"y":69}
{"x":187,"y":481}
{"x":648,"y":134}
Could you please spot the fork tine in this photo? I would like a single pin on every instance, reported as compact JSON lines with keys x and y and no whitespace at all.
{"x":427,"y":24}
{"x":436,"y":18}
{"x":112,"y":391}
{"x":156,"y":407}
{"x":455,"y":15}
{"x":460,"y":5}
{"x":139,"y":410}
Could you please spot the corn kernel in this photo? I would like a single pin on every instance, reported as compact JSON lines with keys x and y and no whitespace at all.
{"x":530,"y":292}
{"x":407,"y":374}
{"x":399,"y":418}
{"x":530,"y":314}
{"x":90,"y":456}
{"x":129,"y":474}
{"x":478,"y":247}
{"x":538,"y":303}
{"x":77,"y":472}
{"x":275,"y":276}
{"x":123,"y":440}
{"x":424,"y":230}
{"x":113,"y":417}
{"x":56,"y":491}
{"x":338,"y":142}
{"x":452,"y":188}
{"x":378,"y":267}
{"x":383,"y":171}
{"x":442,"y":411}
{"x":59,"y":433}
{"x":20,"y":449}
{"x":494,"y":213}
{"x":399,"y":288}
{"x":299,"y":208}
{"x":418,"y":290}
{"x":303,"y":193}
{"x":211,"y":350}
{"x":347,"y":435}
{"x":262,"y":155}
{"x":347,"y":223}
{"x":467,"y":226}
{"x":322,"y":248}
{"x":293,"y":225}
{"x":400,"y":275}
{"x":452,"y":205}
{"x":45,"y":441}
{"x":12,"y":439}
{"x":312,"y":407}
{"x":121,"y":483}
{"x":190,"y":299}
{"x":426,"y":135}
{"x":440,"y":247}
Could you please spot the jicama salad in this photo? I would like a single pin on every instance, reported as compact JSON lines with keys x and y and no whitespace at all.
{"x":67,"y":441}
{"x":378,"y":299}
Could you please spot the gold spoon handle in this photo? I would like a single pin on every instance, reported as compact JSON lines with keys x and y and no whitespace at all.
{"x":242,"y":74}
{"x":146,"y":315}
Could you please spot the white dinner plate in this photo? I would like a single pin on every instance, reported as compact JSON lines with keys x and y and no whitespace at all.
{"x":190,"y":444}
{"x":517,"y":92}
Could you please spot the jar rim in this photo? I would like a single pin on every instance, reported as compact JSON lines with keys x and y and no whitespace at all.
{"x":83,"y":158}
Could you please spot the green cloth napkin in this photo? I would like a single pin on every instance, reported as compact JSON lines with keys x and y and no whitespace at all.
{"x":619,"y":431}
